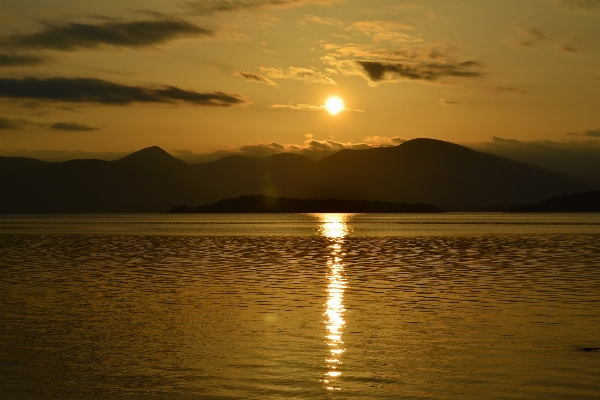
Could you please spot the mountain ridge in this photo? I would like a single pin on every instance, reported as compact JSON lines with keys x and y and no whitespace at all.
{"x":151,"y":180}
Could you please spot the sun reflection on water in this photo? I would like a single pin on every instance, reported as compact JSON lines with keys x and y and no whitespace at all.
{"x":334,"y":227}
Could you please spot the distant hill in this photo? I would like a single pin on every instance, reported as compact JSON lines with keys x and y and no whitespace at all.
{"x":83,"y":186}
{"x":576,"y":202}
{"x":432,"y":171}
{"x":270,"y":204}
{"x":423,"y":171}
{"x":593,"y":178}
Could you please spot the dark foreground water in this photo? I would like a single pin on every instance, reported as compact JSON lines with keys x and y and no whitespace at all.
{"x":300,"y":306}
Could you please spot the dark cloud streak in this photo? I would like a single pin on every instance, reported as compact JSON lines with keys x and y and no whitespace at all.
{"x":6,"y":123}
{"x":74,"y":36}
{"x":219,"y":6}
{"x":13,"y":60}
{"x":580,"y":5}
{"x":72,"y":126}
{"x":97,"y":91}
{"x":378,"y":71}
{"x":250,"y":77}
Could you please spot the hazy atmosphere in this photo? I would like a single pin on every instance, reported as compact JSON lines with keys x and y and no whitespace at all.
{"x":204,"y":79}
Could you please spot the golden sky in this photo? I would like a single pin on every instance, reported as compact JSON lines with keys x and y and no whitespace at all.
{"x":212,"y":77}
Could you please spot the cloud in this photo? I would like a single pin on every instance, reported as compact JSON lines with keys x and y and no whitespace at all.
{"x":13,"y":60}
{"x":6,"y":123}
{"x":385,"y":30}
{"x":447,"y":102}
{"x":299,"y":74}
{"x":250,"y":77}
{"x":579,"y":5}
{"x":220,"y":6}
{"x":508,"y":89}
{"x":535,"y":37}
{"x":298,"y":107}
{"x":62,"y":155}
{"x":311,"y":147}
{"x":322,"y":21}
{"x":74,"y":36}
{"x":379,"y":71}
{"x":72,"y":126}
{"x":429,"y":14}
{"x":569,"y":156}
{"x":592,"y":133}
{"x":97,"y":91}
{"x":308,"y":107}
{"x":380,"y":141}
{"x":595,"y":133}
{"x":422,"y":62}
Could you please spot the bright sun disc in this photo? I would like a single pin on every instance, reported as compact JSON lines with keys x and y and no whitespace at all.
{"x":334,"y":105}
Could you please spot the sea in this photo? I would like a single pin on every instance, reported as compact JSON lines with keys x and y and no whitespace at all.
{"x":300,"y":306}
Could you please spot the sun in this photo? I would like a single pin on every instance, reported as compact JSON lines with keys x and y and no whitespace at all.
{"x":334,"y":105}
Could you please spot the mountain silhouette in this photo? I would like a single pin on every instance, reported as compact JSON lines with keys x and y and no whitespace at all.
{"x":575,"y":202}
{"x":154,"y":158}
{"x":432,"y":171}
{"x":151,"y":180}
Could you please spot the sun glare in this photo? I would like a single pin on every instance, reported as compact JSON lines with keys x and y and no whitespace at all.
{"x":334,"y":105}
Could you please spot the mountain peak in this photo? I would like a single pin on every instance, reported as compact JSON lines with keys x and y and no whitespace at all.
{"x":427,"y":143}
{"x":153,"y":154}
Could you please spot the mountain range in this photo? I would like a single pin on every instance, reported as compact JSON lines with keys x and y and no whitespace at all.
{"x":151,"y":180}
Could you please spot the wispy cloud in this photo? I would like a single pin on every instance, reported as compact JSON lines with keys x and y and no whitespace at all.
{"x":447,"y":102}
{"x":72,"y":126}
{"x":298,"y":73}
{"x":97,"y":91}
{"x":74,"y":36}
{"x":16,"y":60}
{"x":580,"y":5}
{"x":220,"y":6}
{"x":308,"y":107}
{"x":594,"y":133}
{"x":250,"y":77}
{"x":323,"y":20}
{"x":298,"y":107}
{"x":535,"y":37}
{"x":420,"y":9}
{"x":508,"y":89}
{"x":311,"y":147}
{"x":382,"y":141}
{"x":385,"y":31}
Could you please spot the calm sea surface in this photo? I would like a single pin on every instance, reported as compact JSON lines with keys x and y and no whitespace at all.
{"x":323,"y":306}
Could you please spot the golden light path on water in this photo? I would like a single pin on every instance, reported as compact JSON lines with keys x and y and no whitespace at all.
{"x":334,"y":227}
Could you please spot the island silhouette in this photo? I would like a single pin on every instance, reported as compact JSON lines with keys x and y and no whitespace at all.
{"x":269,"y":204}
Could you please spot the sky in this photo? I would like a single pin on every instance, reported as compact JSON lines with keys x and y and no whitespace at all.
{"x":208,"y":78}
